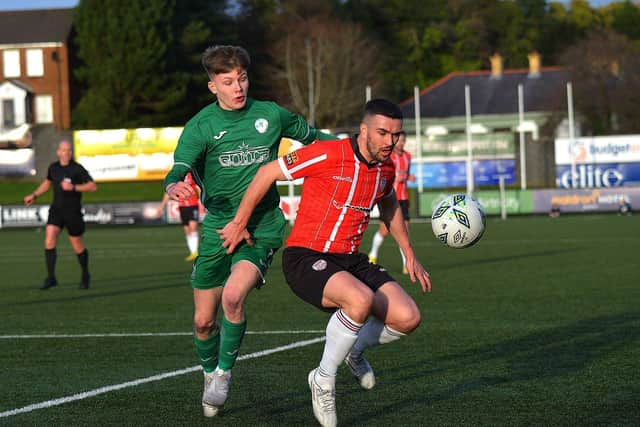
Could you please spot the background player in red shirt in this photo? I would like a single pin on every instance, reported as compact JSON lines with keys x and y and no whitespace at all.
{"x":343,"y":180}
{"x":189,"y":216}
{"x":402,"y":161}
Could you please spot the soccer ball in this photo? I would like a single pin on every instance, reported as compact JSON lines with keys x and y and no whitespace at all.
{"x":458,"y":221}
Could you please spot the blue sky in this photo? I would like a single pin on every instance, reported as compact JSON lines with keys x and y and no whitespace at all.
{"x":36,"y":4}
{"x":46,"y":4}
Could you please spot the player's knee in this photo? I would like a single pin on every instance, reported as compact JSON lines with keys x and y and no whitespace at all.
{"x":232,"y":302}
{"x":407,"y":319}
{"x":203,"y":324}
{"x":360,"y":307}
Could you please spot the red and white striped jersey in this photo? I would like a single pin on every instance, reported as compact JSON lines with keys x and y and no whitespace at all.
{"x":340,"y":189}
{"x":193,"y":200}
{"x":402,"y":162}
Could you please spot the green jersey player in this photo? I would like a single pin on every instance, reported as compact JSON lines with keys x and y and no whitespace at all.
{"x":223,"y":146}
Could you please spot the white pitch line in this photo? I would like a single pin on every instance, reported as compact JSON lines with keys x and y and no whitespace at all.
{"x":115,"y":387}
{"x":145,"y":334}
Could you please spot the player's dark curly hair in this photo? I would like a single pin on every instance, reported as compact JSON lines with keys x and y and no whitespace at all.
{"x":224,"y":58}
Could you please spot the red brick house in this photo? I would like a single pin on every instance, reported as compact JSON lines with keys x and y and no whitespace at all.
{"x":34,"y":68}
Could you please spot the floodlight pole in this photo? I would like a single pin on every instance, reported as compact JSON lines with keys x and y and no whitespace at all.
{"x":416,"y":101}
{"x":574,"y":183}
{"x":467,"y":107}
{"x":523,"y":159}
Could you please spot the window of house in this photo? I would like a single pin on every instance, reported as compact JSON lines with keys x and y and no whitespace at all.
{"x":11,"y":61}
{"x":8,"y":113}
{"x":44,"y":109}
{"x":35,"y":65}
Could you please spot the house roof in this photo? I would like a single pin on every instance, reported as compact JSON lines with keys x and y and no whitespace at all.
{"x":491,"y":95}
{"x":19,"y":84}
{"x":35,"y":26}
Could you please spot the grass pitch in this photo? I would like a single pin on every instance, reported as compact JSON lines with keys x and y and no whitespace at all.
{"x":538,"y":324}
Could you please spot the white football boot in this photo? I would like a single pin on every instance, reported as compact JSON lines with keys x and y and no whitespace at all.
{"x":324,"y":403}
{"x":362,"y":370}
{"x":216,"y":390}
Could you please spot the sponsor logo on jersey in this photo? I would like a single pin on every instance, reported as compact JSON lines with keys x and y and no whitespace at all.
{"x":291,"y":158}
{"x":364,"y":209}
{"x":342,"y":178}
{"x":319,"y":265}
{"x":220,"y":135}
{"x":244,"y":156}
{"x":261,"y":125}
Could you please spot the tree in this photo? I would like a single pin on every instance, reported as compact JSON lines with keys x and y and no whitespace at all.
{"x":605,"y":73}
{"x":140,"y":61}
{"x":624,"y":18}
{"x":332,"y":59}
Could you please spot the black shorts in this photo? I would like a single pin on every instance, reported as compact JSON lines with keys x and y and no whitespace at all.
{"x":307,"y":272}
{"x":188,"y":214}
{"x":71,"y":219}
{"x":404,"y":207}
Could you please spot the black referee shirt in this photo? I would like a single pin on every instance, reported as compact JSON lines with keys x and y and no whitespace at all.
{"x":73,"y":172}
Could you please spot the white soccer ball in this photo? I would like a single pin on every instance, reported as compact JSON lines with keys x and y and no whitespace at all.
{"x":458,"y":221}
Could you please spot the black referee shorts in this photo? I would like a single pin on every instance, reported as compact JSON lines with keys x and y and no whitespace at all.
{"x":307,"y":272}
{"x":188,"y":214}
{"x":72,"y":219}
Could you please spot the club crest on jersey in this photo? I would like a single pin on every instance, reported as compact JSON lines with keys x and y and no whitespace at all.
{"x":261,"y":125}
{"x":291,"y":158}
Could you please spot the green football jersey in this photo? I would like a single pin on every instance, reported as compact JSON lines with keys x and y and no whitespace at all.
{"x":224,"y":149}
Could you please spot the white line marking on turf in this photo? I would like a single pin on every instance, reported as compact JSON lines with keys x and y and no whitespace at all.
{"x":115,"y":387}
{"x":145,"y":334}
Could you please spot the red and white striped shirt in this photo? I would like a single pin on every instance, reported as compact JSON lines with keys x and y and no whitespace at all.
{"x":402,"y":163}
{"x":193,"y":200}
{"x":340,"y":189}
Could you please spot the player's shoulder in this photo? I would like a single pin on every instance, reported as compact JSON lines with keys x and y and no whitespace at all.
{"x":332,"y":146}
{"x":206,"y":113}
{"x":269,"y":110}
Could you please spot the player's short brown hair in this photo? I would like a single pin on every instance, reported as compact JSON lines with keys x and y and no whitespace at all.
{"x":224,"y":58}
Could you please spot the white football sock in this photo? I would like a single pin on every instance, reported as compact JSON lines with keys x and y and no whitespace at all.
{"x":377,"y":241}
{"x":192,"y":241}
{"x":374,"y":332}
{"x":341,"y":333}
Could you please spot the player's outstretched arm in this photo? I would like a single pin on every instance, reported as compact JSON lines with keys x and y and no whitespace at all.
{"x":42,"y":188}
{"x":391,"y":214}
{"x":236,"y":230}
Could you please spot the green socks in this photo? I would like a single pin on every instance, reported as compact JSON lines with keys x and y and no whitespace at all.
{"x":207,"y":350}
{"x":231,"y":339}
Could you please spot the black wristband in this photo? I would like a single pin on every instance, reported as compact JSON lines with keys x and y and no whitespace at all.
{"x":73,"y":188}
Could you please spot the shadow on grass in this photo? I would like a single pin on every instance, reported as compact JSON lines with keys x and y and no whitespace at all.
{"x":558,"y":352}
{"x":98,"y":289}
{"x":502,"y":259}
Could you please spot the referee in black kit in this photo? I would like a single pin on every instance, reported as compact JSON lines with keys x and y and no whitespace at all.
{"x":69,"y":180}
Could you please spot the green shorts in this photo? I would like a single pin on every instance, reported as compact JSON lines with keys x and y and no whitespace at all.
{"x":213,"y":265}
